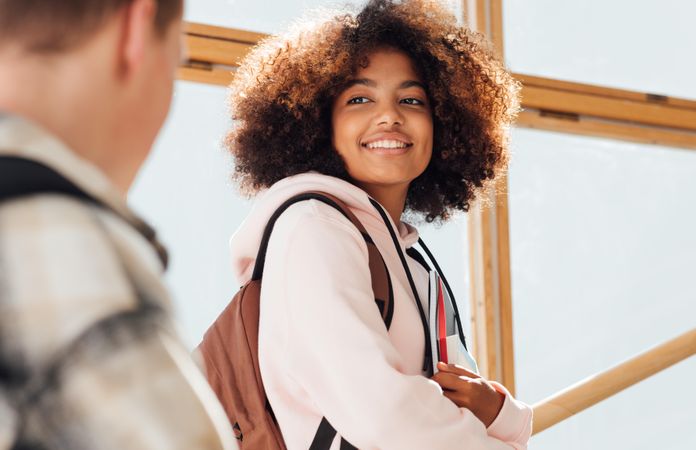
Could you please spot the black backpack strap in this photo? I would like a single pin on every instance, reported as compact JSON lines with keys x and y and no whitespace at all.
{"x":381,"y":286}
{"x":20,"y":177}
{"x":381,"y":282}
{"x":325,"y":436}
{"x":415,"y":254}
{"x":345,"y":445}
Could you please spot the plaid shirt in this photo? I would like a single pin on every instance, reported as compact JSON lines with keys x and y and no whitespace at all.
{"x":88,"y":359}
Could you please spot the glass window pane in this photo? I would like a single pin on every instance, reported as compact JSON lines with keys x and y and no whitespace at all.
{"x":603,"y":252}
{"x":640,"y":46}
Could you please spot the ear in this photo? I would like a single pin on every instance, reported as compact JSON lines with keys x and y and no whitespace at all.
{"x":137,"y":30}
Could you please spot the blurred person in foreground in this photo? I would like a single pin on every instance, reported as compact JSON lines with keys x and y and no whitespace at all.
{"x":88,"y":358}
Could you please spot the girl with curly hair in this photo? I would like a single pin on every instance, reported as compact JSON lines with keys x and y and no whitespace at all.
{"x":394,"y":110}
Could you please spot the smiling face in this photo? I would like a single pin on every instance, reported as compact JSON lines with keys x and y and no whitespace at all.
{"x":382,"y":123}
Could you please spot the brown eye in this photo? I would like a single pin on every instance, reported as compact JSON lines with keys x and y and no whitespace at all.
{"x":358,"y":100}
{"x":412,"y":101}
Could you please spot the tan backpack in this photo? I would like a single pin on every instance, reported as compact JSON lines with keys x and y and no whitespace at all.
{"x":230,"y":346}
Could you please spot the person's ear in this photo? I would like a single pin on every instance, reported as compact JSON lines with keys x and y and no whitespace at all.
{"x":137,"y":30}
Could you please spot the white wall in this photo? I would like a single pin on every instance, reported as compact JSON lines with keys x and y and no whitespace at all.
{"x":184,"y":190}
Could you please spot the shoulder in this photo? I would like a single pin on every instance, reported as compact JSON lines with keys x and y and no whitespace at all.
{"x":60,"y":271}
{"x":318,"y":219}
{"x":311,"y":231}
{"x":50,"y":228}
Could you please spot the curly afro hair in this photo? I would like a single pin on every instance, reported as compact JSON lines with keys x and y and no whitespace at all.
{"x":282,"y":94}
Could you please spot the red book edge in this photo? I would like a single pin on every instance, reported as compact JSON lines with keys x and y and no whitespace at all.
{"x":441,"y":323}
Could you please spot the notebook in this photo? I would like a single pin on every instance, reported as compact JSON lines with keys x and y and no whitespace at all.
{"x":445,"y":339}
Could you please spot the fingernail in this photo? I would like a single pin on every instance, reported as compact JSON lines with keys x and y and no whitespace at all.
{"x":441,"y":364}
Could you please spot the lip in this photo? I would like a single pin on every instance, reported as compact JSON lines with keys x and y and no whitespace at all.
{"x":391,"y":136}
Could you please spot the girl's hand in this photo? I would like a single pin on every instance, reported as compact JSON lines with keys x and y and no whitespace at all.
{"x":468,"y":390}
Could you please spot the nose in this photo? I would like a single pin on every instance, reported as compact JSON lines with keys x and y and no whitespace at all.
{"x":389,"y":115}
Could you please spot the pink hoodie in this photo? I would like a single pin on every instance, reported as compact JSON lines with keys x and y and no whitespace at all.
{"x":323,"y":348}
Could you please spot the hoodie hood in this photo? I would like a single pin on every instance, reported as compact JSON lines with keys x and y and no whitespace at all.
{"x":245,"y":242}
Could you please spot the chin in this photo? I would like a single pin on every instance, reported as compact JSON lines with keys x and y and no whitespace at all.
{"x":389,"y":180}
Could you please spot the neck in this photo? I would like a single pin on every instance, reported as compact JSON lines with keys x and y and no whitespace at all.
{"x":393,"y":198}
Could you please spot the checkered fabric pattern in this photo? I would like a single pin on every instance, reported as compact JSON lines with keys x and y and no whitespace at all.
{"x":88,"y":358}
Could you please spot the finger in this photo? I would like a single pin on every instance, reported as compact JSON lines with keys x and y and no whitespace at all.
{"x":452,"y":381}
{"x":456,"y":398}
{"x":454,"y":368}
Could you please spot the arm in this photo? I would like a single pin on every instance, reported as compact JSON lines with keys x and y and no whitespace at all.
{"x":514,"y":422}
{"x":505,"y":417}
{"x":339,"y":351}
{"x":129,"y":385}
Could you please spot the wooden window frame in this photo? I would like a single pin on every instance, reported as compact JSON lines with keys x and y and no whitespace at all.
{"x":489,"y":242}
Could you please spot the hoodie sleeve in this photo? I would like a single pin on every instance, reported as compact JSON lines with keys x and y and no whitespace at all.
{"x":514,"y":421}
{"x":339,"y":352}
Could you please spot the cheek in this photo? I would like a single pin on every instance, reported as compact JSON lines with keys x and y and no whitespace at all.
{"x":157,"y":95}
{"x":345,"y":131}
{"x":166,"y":100}
{"x":163,"y":90}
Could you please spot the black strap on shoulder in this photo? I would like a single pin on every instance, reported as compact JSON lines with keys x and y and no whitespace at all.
{"x":415,"y":254}
{"x":263,"y":247}
{"x":345,"y":445}
{"x":379,"y":273}
{"x":21,"y":176}
{"x":325,"y":437}
{"x":320,"y":196}
{"x":326,"y":433}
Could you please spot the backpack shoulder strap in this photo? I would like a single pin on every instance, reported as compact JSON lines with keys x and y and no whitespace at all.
{"x":21,"y":177}
{"x":415,"y":254}
{"x":381,"y":285}
{"x":381,"y":282}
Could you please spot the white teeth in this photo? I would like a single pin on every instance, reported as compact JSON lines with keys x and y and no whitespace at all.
{"x":387,"y":144}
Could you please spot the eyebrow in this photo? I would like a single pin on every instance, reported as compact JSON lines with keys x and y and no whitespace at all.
{"x":371,"y":83}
